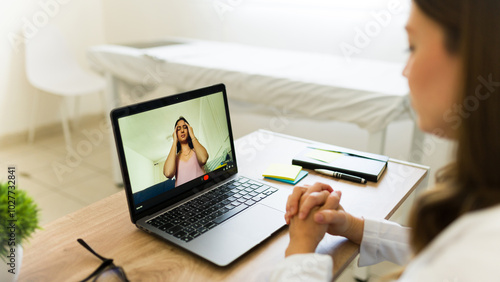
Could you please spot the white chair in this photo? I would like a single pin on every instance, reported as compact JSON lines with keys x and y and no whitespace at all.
{"x":52,"y":68}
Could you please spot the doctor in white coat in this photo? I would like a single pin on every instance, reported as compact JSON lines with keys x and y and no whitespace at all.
{"x":454,"y":234}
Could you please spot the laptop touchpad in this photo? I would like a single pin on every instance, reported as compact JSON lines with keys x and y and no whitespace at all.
{"x":234,"y":237}
{"x":258,"y":222}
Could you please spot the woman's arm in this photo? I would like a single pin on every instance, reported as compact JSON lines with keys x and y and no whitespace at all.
{"x":301,"y":263}
{"x":304,"y":267}
{"x":380,"y":240}
{"x":305,"y":234}
{"x":340,"y":222}
{"x":201,"y":152}
{"x":384,"y":240}
{"x":169,"y":167}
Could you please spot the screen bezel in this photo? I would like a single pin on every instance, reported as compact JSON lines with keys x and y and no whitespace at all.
{"x":186,"y":190}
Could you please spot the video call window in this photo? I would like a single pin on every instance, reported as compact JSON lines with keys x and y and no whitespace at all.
{"x":148,"y":138}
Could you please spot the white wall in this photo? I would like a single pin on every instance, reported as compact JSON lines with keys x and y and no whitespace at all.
{"x":80,"y":21}
{"x":213,"y":122}
{"x":141,"y":170}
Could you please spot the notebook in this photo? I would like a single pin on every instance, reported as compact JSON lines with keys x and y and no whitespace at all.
{"x":366,"y":165}
{"x":219,"y":214}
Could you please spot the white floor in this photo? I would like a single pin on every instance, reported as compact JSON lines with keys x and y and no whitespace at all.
{"x":63,"y":181}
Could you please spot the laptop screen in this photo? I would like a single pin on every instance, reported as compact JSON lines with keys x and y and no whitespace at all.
{"x":172,"y":147}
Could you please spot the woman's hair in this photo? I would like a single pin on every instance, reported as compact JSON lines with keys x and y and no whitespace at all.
{"x":472,"y":182}
{"x":189,"y":140}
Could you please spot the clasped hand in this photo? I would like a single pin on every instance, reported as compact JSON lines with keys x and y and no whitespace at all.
{"x":312,"y":211}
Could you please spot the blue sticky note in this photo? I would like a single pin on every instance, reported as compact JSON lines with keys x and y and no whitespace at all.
{"x":299,"y":177}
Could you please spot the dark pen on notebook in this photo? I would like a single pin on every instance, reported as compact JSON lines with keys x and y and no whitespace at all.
{"x":340,"y":175}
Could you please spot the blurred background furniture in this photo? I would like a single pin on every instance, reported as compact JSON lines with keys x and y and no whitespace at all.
{"x":52,"y":68}
{"x":321,"y":87}
{"x":368,"y":93}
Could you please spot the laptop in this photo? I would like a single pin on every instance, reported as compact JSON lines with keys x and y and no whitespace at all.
{"x":219,"y":214}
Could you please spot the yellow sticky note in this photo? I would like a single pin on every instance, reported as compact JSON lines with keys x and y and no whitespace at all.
{"x":324,"y":156}
{"x":282,"y":171}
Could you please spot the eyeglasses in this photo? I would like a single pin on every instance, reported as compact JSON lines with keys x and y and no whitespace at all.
{"x":107,"y":271}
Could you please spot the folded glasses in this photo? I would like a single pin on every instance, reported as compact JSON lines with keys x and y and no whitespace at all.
{"x":107,"y":271}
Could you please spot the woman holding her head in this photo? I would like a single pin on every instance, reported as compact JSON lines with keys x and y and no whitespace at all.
{"x":187,"y":156}
{"x":454,"y":234}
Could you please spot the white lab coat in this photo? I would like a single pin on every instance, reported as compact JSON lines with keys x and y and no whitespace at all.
{"x":467,"y":250}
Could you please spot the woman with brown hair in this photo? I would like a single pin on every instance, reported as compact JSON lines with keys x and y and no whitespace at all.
{"x":187,"y":156}
{"x":454,"y":75}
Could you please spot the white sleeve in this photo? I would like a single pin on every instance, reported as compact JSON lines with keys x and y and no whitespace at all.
{"x":384,"y":241}
{"x":304,"y":267}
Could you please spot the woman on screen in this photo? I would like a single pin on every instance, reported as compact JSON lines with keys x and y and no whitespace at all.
{"x":187,"y":156}
{"x":454,"y":76}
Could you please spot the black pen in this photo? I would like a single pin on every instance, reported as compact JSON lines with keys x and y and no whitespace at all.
{"x":341,"y":175}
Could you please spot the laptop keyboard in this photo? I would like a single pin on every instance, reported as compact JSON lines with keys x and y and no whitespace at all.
{"x":203,"y":213}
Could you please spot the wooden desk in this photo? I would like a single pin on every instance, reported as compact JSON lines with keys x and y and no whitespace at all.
{"x":54,"y":255}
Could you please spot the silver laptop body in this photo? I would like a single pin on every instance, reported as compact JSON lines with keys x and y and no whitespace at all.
{"x":219,"y":215}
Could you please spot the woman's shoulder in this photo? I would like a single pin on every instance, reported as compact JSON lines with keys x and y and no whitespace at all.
{"x":475,"y":227}
{"x":467,"y":249}
{"x":481,"y":220}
